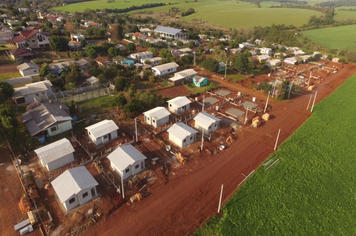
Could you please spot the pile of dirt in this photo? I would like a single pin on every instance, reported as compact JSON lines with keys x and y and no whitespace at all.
{"x":24,"y":205}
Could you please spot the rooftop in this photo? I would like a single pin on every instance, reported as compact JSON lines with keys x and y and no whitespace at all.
{"x":157,"y":113}
{"x":101,"y":128}
{"x":125,"y":156}
{"x":166,"y":66}
{"x":55,"y":150}
{"x":168,"y":30}
{"x":206,"y":118}
{"x":180,"y":101}
{"x":181,"y":130}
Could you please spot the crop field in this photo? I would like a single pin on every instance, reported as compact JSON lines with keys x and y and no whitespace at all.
{"x":345,"y":15}
{"x":311,"y":190}
{"x":341,"y":38}
{"x":229,"y":14}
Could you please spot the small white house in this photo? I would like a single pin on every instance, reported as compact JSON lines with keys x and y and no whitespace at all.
{"x":26,"y":69}
{"x":32,"y":92}
{"x":179,"y":105}
{"x":75,"y":187}
{"x":102,"y":132}
{"x":167,"y":68}
{"x":266,"y":51}
{"x":181,"y":76}
{"x":152,"y":61}
{"x":127,"y":161}
{"x":141,"y":55}
{"x":206,"y":122}
{"x":157,"y":116}
{"x":56,"y":155}
{"x":93,"y":81}
{"x":182,"y":135}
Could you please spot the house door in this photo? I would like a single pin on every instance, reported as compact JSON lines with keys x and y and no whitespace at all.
{"x":109,"y":136}
{"x":92,"y":192}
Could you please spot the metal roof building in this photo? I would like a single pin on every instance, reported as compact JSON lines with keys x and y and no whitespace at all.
{"x":205,"y":121}
{"x":75,"y":187}
{"x":179,"y":104}
{"x":182,"y":135}
{"x":102,"y":132}
{"x":56,"y":155}
{"x":157,"y":116}
{"x":167,"y":68}
{"x":127,"y":161}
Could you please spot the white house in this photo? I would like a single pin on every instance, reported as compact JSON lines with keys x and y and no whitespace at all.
{"x":32,"y":92}
{"x":167,"y":68}
{"x":75,"y":187}
{"x":152,"y":61}
{"x":157,"y":116}
{"x":141,"y":55}
{"x":48,"y":118}
{"x":184,"y":75}
{"x":182,"y":135}
{"x":56,"y":155}
{"x":206,"y":122}
{"x":274,"y":62}
{"x":76,"y":37}
{"x":168,"y":32}
{"x":93,"y":81}
{"x":127,"y":161}
{"x":26,"y":69}
{"x":266,"y":51}
{"x":179,"y":105}
{"x":102,"y":132}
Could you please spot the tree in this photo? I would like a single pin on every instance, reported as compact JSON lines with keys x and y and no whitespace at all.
{"x":120,"y":83}
{"x":69,"y":27}
{"x":58,"y":43}
{"x":211,"y":64}
{"x":131,"y":47}
{"x":120,"y":100}
{"x":116,"y":32}
{"x":113,"y":52}
{"x":330,"y":57}
{"x":44,"y":70}
{"x":90,"y":31}
{"x":83,"y":43}
{"x":180,"y":44}
{"x":191,"y":44}
{"x":91,"y":52}
{"x":154,"y":51}
{"x":241,"y":63}
{"x":6,"y":92}
{"x":49,"y":24}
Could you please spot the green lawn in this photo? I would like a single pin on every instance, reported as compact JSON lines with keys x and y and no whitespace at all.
{"x":7,"y":46}
{"x":311,"y":191}
{"x":344,"y":15}
{"x":341,"y":38}
{"x":236,"y":14}
{"x":9,"y":75}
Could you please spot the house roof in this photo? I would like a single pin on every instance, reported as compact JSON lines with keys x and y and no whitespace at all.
{"x":92,"y":80}
{"x":206,"y":119}
{"x":185,"y":73}
{"x":140,"y":54}
{"x":185,"y":50}
{"x":21,"y":52}
{"x":157,"y":113}
{"x":19,"y":80}
{"x":166,"y":66}
{"x":102,"y":60}
{"x":198,"y":79}
{"x":180,"y":101}
{"x":154,"y":59}
{"x":168,"y":30}
{"x":26,"y":66}
{"x":181,"y":130}
{"x":58,"y":66}
{"x":73,"y":181}
{"x":101,"y":128}
{"x":24,"y":35}
{"x":125,"y":156}
{"x":32,"y":88}
{"x":54,"y":151}
{"x":43,"y":116}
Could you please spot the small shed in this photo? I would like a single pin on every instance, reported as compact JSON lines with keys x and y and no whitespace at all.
{"x":102,"y":132}
{"x":75,"y":187}
{"x":56,"y":155}
{"x":157,"y":116}
{"x":206,"y":122}
{"x":179,"y":105}
{"x":93,"y":81}
{"x":127,"y":161}
{"x":200,"y":81}
{"x":182,"y":135}
{"x":27,"y":69}
{"x":128,"y":62}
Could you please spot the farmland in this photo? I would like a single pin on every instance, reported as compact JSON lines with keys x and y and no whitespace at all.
{"x":341,"y":38}
{"x":344,"y":15}
{"x":311,"y":189}
{"x":236,"y":15}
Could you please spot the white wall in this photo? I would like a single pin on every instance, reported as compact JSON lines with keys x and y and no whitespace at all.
{"x":214,"y":126}
{"x":79,"y":200}
{"x":163,"y":72}
{"x":141,"y":166}
{"x":56,"y":164}
{"x":174,"y":109}
{"x":69,"y":206}
{"x":160,"y":122}
{"x":62,"y":127}
{"x":131,"y":169}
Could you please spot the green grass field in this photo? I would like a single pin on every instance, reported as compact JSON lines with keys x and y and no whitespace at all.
{"x":236,"y":15}
{"x":344,"y":15}
{"x":311,"y":190}
{"x":9,"y":75}
{"x":341,"y":38}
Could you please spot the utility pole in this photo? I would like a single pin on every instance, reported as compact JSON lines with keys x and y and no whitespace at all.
{"x":136,"y":130}
{"x":221,"y":191}
{"x":122,"y":184}
{"x":202,"y":141}
{"x":309,"y":101}
{"x":309,"y":79}
{"x":203,"y":103}
{"x":274,"y":87}
{"x":275,"y":146}
{"x":290,"y":89}
{"x":314,"y":101}
{"x":246,"y":116}
{"x":264,"y":111}
{"x":225,"y":69}
{"x":194,"y":57}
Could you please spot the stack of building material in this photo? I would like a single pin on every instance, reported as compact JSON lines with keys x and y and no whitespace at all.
{"x":265,"y":117}
{"x":256,"y":122}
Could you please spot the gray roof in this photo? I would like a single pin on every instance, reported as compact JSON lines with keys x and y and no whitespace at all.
{"x":101,"y":128}
{"x":157,"y":113}
{"x":54,"y":151}
{"x":211,"y":100}
{"x":19,"y":80}
{"x":140,"y":54}
{"x":125,"y":156}
{"x":32,"y":88}
{"x":166,"y":66}
{"x":180,"y":101}
{"x":26,"y":66}
{"x":59,"y":66}
{"x":199,"y":79}
{"x":92,"y":80}
{"x":223,"y":93}
{"x":73,"y":181}
{"x":249,"y":105}
{"x":167,"y":30}
{"x":235,"y":112}
{"x":206,"y":119}
{"x":43,"y":116}
{"x":181,"y":130}
{"x":185,"y":73}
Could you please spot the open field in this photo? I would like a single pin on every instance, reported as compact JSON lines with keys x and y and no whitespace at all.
{"x":344,"y":15}
{"x":311,"y":189}
{"x":236,"y":14}
{"x":341,"y":38}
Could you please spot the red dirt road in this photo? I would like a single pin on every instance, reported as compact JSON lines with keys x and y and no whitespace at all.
{"x":191,"y":196}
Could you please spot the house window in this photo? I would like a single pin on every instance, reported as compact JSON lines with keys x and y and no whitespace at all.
{"x":35,"y":71}
{"x":170,"y":105}
{"x":184,"y":140}
{"x":71,"y":200}
{"x":215,"y":125}
{"x":33,"y":41}
{"x":154,"y":121}
{"x":85,"y":194}
{"x":105,"y":136}
{"x":127,"y":170}
{"x":191,"y":137}
{"x":53,"y":129}
{"x":137,"y":166}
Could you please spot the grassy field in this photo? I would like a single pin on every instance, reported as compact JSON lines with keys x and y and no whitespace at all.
{"x":236,"y":14}
{"x":9,"y":75}
{"x":342,"y":37}
{"x":344,"y":15}
{"x":311,"y":190}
